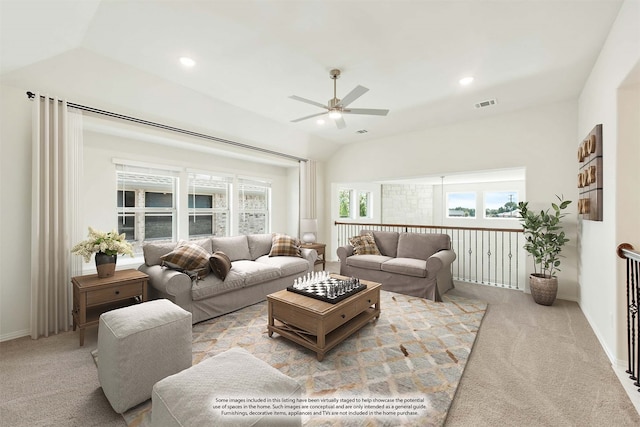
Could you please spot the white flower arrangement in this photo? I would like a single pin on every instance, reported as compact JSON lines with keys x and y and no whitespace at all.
{"x":110,"y":243}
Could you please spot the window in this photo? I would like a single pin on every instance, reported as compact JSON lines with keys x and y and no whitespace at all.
{"x":461,"y":205}
{"x":208,"y":205}
{"x":146,"y":204}
{"x":501,"y":204}
{"x":344,"y":197}
{"x":365,"y":205}
{"x":254,"y":201}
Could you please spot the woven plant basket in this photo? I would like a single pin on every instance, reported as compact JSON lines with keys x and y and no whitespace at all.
{"x":543,"y":288}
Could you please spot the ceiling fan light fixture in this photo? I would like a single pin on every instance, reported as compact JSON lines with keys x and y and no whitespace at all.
{"x":334,"y":114}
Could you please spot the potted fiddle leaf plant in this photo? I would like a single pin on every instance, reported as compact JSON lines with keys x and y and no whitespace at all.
{"x":544,"y":239}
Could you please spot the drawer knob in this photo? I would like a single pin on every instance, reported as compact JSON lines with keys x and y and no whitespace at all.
{"x":369,"y":301}
{"x":117,"y":292}
{"x":343,"y":316}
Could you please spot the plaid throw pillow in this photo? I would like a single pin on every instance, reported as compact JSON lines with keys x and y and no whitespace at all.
{"x":188,"y":257}
{"x":283,"y":245}
{"x":364,"y":245}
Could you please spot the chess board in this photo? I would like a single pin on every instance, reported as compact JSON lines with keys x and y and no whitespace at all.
{"x":319,"y":290}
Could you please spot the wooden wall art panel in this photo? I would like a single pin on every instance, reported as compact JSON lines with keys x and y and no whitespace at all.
{"x":590,"y":175}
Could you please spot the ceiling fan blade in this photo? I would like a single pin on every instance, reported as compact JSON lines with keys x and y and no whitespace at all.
{"x":372,"y":111}
{"x":308,"y":117}
{"x":340,"y":123}
{"x":308,"y":101}
{"x":353,"y":95}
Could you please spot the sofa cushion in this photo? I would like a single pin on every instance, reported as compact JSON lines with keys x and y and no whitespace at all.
{"x":153,"y":251}
{"x":236,"y":247}
{"x":203,"y":243}
{"x":255,"y":272}
{"x":364,"y":244}
{"x":406,"y":266}
{"x":283,"y":245}
{"x":220,"y":264}
{"x":288,"y":265}
{"x":259,"y":244}
{"x":370,"y":262}
{"x":189,"y":257}
{"x":387,"y":241}
{"x":421,"y":246}
{"x":212,"y":285}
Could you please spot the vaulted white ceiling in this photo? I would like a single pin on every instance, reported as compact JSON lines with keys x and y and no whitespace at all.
{"x":252,"y":55}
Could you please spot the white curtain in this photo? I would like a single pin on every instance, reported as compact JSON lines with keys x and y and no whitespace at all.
{"x":56,"y":177}
{"x":308,"y":189}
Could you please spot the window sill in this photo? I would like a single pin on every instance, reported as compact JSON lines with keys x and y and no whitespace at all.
{"x":123,"y":263}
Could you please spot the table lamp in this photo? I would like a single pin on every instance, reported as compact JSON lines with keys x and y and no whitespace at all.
{"x":308,"y":230}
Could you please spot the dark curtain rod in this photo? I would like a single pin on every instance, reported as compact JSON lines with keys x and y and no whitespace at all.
{"x":32,"y":95}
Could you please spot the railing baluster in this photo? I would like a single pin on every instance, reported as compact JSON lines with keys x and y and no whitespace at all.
{"x":632,"y":258}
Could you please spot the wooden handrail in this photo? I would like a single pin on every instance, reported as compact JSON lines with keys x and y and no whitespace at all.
{"x":626,"y":250}
{"x":440,"y":227}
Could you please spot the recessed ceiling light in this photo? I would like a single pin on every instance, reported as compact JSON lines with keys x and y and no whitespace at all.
{"x":465,"y":81}
{"x":187,"y":62}
{"x":320,"y":121}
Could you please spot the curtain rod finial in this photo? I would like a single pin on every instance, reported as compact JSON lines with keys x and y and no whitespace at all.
{"x":31,"y":95}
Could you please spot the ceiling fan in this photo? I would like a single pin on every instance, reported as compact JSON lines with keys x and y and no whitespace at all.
{"x":337,"y":107}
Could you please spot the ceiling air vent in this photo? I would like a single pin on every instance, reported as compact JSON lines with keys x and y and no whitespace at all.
{"x":362,"y":131}
{"x":487,"y":103}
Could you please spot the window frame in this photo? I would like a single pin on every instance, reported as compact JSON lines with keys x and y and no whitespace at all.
{"x":197,"y":182}
{"x":484,"y":205}
{"x":143,"y":181}
{"x":242,"y":210}
{"x":475,"y":208}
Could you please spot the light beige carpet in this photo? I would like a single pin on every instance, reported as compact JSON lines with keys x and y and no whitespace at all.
{"x":418,"y":348}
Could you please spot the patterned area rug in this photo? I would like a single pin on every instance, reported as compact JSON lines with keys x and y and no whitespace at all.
{"x":416,"y":350}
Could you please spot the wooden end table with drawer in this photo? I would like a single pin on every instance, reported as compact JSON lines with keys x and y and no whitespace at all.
{"x":92,"y":295}
{"x":320,"y":249}
{"x":318,"y":325}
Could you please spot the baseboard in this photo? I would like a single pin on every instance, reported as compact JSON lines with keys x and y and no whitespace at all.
{"x":14,"y":335}
{"x":617,"y":365}
{"x":627,"y":384}
{"x":612,"y":359}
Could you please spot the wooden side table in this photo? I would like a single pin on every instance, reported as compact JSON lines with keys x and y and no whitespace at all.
{"x":320,"y":248}
{"x":92,"y":296}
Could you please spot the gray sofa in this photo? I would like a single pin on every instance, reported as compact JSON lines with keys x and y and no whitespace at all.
{"x":253,"y":275}
{"x":409,"y":263}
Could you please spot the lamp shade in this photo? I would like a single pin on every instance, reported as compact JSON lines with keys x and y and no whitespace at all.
{"x":308,"y":229}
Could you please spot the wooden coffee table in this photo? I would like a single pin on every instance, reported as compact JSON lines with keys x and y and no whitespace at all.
{"x":319,"y":325}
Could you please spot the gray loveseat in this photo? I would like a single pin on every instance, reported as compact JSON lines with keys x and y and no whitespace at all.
{"x":409,"y":263}
{"x":253,"y":275}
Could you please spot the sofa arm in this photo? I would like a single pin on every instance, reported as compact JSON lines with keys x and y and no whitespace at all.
{"x":440,"y":260}
{"x":167,"y":281}
{"x":310,"y":255}
{"x":344,"y":252}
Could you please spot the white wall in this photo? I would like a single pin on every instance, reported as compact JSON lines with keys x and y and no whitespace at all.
{"x":15,"y":212}
{"x":601,"y":287}
{"x":542,"y":139}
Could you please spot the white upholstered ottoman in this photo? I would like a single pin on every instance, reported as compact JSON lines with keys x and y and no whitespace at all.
{"x":138,"y":346}
{"x":188,"y":398}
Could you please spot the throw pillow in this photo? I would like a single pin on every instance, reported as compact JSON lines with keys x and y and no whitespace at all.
{"x":220,"y":264}
{"x":189,"y":257}
{"x":364,"y":245}
{"x":283,"y":245}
